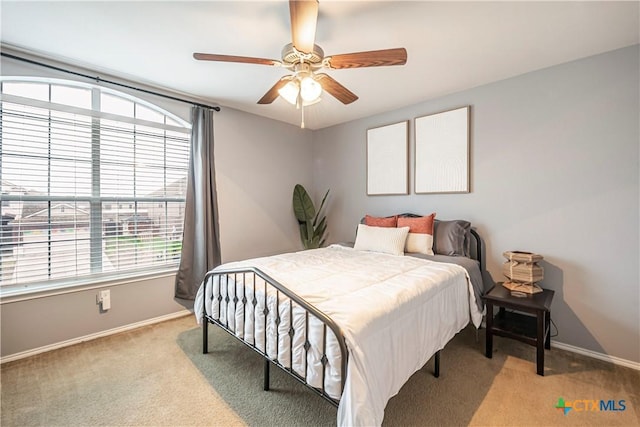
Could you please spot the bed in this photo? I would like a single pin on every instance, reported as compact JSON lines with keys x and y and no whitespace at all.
{"x":352,"y":324}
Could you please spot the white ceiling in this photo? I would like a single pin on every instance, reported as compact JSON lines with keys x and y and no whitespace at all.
{"x":452,"y":46}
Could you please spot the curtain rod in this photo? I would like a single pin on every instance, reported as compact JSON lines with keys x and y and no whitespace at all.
{"x":98,"y":79}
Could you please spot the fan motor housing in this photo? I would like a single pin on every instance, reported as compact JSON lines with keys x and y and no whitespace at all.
{"x":291,"y":56}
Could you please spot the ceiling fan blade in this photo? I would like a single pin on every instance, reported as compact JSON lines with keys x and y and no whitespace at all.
{"x":304,"y":17}
{"x":272,"y":93}
{"x":334,"y":88}
{"x":231,"y":58}
{"x":373,"y":58}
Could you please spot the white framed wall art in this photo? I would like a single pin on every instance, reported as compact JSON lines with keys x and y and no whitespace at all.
{"x":442,"y":152}
{"x":387,"y":159}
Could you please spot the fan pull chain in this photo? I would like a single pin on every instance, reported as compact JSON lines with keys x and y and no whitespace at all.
{"x":300,"y":105}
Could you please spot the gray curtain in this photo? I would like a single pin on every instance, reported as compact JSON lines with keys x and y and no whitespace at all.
{"x":201,"y":236}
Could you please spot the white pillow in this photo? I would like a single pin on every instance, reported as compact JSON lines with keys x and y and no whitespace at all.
{"x":419,"y":243}
{"x":387,"y":240}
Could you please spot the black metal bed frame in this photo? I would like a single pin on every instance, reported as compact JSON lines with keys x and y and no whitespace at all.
{"x":228,"y":277}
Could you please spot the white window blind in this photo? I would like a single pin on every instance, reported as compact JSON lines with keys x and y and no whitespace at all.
{"x":93,"y":183}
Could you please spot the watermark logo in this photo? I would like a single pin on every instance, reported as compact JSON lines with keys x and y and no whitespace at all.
{"x":562,"y":405}
{"x":588,"y":405}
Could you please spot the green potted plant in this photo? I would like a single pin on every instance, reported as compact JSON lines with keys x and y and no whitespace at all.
{"x":312,"y":224}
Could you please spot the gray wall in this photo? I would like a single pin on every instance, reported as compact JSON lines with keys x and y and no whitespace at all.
{"x":258,"y":161}
{"x":554,"y":170}
{"x":28,"y":324}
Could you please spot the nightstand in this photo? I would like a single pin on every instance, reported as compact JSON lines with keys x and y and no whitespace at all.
{"x":532,"y":328}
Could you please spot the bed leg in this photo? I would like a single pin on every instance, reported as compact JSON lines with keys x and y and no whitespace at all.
{"x":436,"y":370}
{"x":266,"y":374}
{"x":205,"y":336}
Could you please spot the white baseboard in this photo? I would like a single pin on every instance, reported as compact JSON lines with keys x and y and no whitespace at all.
{"x":589,"y":353}
{"x":600,"y":356}
{"x":33,"y":352}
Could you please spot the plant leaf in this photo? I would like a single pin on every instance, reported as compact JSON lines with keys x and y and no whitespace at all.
{"x":315,"y":243}
{"x":309,"y":231}
{"x":302,"y":204}
{"x":320,"y":208}
{"x":319,"y":231}
{"x":303,"y":232}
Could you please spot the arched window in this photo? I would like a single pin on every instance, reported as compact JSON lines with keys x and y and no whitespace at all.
{"x":93,"y":183}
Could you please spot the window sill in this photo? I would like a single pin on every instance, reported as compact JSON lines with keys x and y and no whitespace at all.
{"x":34,"y":291}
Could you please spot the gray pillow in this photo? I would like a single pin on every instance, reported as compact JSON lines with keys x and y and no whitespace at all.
{"x":452,"y":238}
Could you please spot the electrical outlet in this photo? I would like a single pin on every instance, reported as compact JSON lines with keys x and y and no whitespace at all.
{"x":104,"y":297}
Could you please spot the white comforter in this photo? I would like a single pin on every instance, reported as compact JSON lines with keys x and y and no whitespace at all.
{"x":394,"y":311}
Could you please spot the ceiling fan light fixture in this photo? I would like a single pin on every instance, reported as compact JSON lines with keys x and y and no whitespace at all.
{"x":290,"y":92}
{"x":310,"y":90}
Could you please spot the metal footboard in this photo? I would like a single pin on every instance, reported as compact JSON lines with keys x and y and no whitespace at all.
{"x":225,"y":280}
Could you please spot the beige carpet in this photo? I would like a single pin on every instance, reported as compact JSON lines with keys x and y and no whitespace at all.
{"x":157,"y":376}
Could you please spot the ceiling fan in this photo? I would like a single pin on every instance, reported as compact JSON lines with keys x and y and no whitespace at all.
{"x":304,"y":58}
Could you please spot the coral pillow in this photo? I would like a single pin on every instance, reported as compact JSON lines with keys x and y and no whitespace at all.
{"x":420,"y":238}
{"x":373,"y":221}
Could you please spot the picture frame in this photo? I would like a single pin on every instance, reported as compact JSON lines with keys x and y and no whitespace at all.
{"x":442,"y":152}
{"x":388,"y":159}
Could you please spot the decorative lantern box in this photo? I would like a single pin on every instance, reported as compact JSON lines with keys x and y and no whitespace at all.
{"x":522,"y":271}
